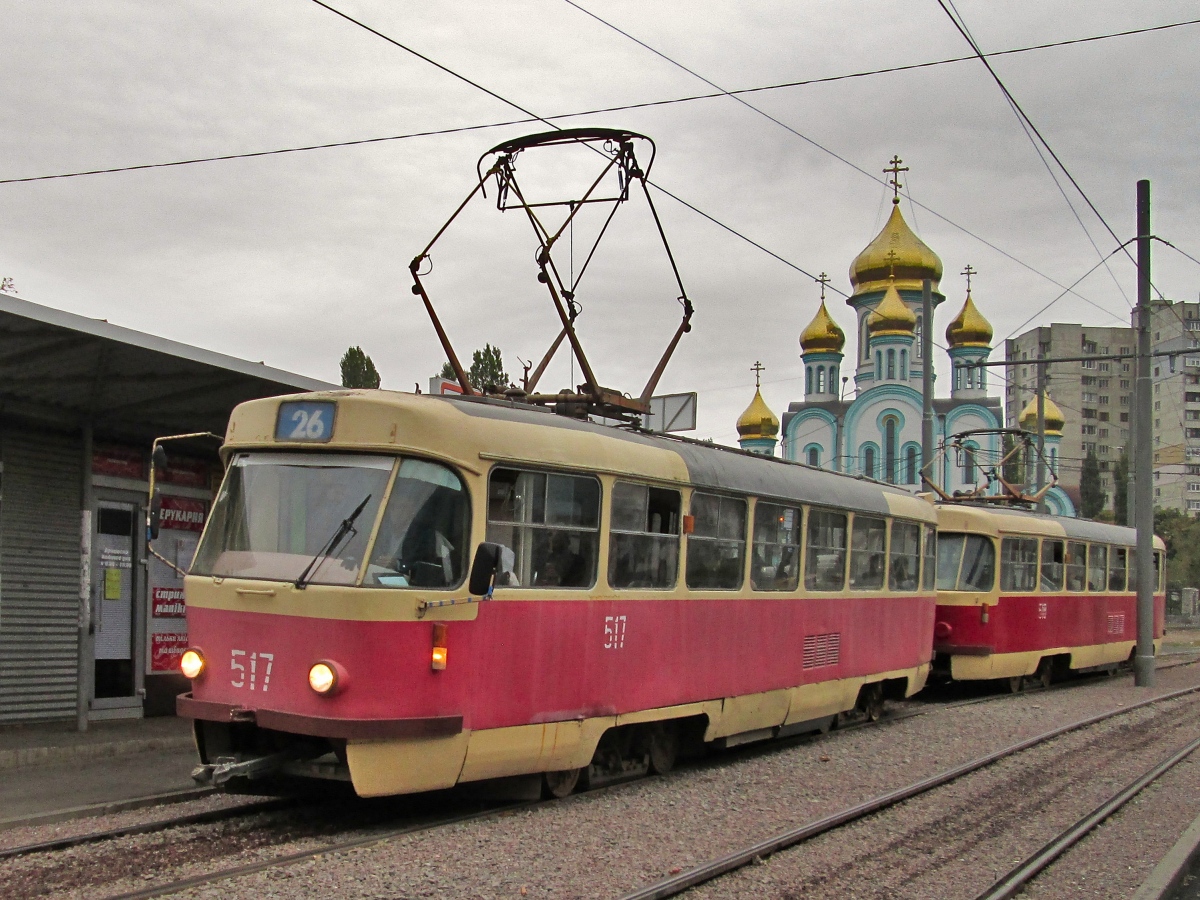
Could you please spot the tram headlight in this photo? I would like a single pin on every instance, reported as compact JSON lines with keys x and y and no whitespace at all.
{"x":191,"y":664}
{"x":323,"y":678}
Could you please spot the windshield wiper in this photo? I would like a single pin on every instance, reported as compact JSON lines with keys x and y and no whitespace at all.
{"x":344,"y":529}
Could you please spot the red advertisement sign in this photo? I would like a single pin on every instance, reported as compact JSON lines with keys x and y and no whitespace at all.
{"x":167,"y":603}
{"x":183,"y":513}
{"x":165,"y":649}
{"x":187,"y":472}
{"x":124,"y":462}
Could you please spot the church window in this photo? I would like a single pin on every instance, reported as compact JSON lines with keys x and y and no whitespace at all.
{"x":808,"y":380}
{"x":866,"y":340}
{"x":970,"y":377}
{"x":833,"y":377}
{"x":910,"y":466}
{"x":891,"y":369}
{"x":814,"y":457}
{"x":1054,"y":461}
{"x":979,"y":379}
{"x":904,"y":365}
{"x":969,"y":476}
{"x":958,"y":378}
{"x":879,"y":365}
{"x":920,"y":328}
{"x":820,"y":379}
{"x":889,"y":449}
{"x":869,"y":462}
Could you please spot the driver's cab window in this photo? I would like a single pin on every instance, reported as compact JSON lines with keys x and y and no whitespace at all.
{"x":548,"y":526}
{"x":424,"y":534}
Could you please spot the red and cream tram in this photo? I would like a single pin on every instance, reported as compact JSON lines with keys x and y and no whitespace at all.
{"x":1022,"y":595}
{"x":643,"y":588}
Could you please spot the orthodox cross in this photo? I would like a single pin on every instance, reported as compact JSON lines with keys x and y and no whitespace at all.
{"x":894,"y":169}
{"x":891,"y":258}
{"x":968,"y":271}
{"x":757,"y":369}
{"x":823,"y":280}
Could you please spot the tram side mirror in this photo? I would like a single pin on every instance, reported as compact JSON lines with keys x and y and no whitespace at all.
{"x":156,"y":515}
{"x":159,"y":458}
{"x":483,"y":569}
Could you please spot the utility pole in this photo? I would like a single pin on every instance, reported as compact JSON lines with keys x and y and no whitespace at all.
{"x":1147,"y":581}
{"x":927,"y":379}
{"x":1041,"y":429}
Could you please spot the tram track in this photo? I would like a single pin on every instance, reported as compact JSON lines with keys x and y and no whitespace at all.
{"x":729,"y":863}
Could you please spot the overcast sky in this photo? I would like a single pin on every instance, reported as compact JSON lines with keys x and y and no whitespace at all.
{"x":291,"y":258}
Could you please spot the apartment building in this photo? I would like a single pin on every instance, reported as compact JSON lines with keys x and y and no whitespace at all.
{"x":1096,"y":396}
{"x":1176,"y":406}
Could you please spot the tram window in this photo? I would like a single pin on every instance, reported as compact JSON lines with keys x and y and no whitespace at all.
{"x":1076,"y":565}
{"x":1159,"y":570}
{"x":825,"y":560}
{"x":775,"y":564}
{"x":424,"y":536}
{"x":643,"y":548}
{"x":868,"y":541}
{"x":1052,"y":565}
{"x":1116,"y":568}
{"x":277,"y":513}
{"x":1131,"y":556}
{"x":717,"y":545}
{"x":1018,"y":564}
{"x":905,"y":557}
{"x":1097,"y":573}
{"x":966,"y":562}
{"x":929,"y":572}
{"x":551,"y":524}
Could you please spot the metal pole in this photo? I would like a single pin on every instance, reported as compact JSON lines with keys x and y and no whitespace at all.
{"x":1143,"y":663}
{"x":1041,"y":430}
{"x":927,"y":379}
{"x":85,"y":649}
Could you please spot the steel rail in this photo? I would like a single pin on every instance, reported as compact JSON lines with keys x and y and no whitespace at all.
{"x":677,"y":884}
{"x":1014,"y":882}
{"x":200,"y":818}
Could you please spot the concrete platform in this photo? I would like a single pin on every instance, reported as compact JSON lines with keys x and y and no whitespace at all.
{"x":48,"y":769}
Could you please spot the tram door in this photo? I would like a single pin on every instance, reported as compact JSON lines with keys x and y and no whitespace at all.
{"x":113,"y":599}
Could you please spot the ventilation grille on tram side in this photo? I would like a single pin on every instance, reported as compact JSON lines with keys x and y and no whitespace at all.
{"x":822,"y":650}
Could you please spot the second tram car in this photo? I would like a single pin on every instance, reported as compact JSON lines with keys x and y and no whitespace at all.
{"x":644,"y":588}
{"x":1027,"y":596}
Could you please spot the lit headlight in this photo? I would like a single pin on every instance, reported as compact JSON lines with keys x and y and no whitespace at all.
{"x":323,"y":678}
{"x":191,"y":664}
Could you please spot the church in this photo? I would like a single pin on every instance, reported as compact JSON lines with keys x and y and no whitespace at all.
{"x":873,"y":428}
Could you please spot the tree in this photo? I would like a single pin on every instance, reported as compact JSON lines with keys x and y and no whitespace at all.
{"x":1121,"y":489}
{"x":1091,"y":496}
{"x":358,"y":371}
{"x":1011,"y":471}
{"x":487,"y":370}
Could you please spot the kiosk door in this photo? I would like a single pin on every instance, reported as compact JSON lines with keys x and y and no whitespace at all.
{"x":113,"y":598}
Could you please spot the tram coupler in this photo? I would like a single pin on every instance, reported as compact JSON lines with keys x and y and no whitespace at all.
{"x":225,"y":768}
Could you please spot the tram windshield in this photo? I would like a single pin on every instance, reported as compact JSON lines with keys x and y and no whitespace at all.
{"x":279,"y":512}
{"x":965,"y":562}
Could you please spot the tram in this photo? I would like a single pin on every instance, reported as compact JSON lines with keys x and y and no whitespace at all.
{"x":1024,"y":596}
{"x":412,"y":592}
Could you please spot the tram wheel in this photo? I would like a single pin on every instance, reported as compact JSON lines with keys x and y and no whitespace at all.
{"x":870,"y":701}
{"x":560,"y":784}
{"x":664,"y":747}
{"x":1045,"y":673}
{"x":1016,"y":684}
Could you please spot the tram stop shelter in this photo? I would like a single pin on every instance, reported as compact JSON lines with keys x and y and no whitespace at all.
{"x":91,"y":625}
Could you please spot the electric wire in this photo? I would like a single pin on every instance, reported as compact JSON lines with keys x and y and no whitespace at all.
{"x":834,"y":154}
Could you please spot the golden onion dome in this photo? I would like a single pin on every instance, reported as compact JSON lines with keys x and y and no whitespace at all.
{"x":758,"y":421}
{"x":1055,"y":420}
{"x":892,"y":316}
{"x":913,"y":261}
{"x":969,"y":328}
{"x":822,"y":334}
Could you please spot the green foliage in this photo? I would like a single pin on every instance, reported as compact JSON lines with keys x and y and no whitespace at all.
{"x":487,"y":370}
{"x":1012,"y":468}
{"x":1121,"y":489}
{"x":358,"y":371}
{"x":1091,"y":496}
{"x":1181,"y":533}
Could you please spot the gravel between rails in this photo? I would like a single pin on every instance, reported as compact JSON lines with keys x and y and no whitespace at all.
{"x":606,"y":844}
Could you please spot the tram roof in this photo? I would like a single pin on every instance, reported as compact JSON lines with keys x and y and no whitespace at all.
{"x":59,"y":366}
{"x":1004,"y":519}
